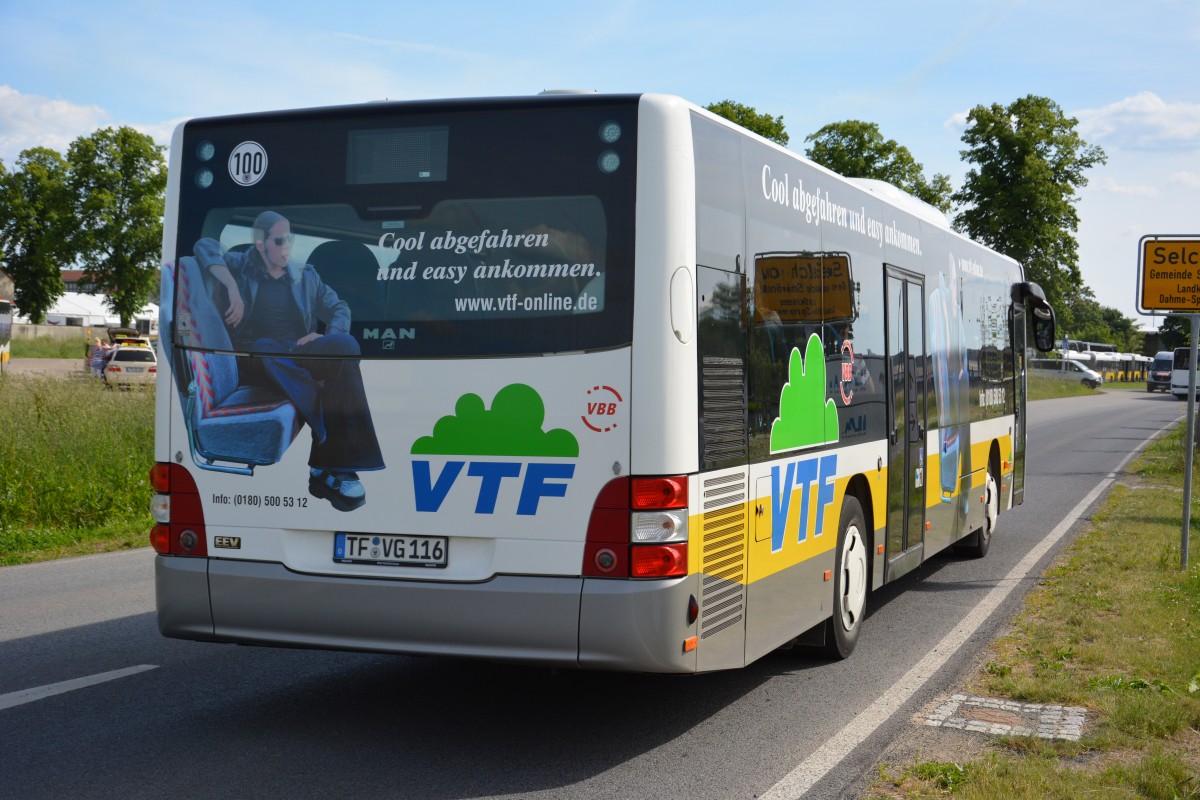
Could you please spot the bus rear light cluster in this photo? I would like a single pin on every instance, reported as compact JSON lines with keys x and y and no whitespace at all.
{"x":638,"y":529}
{"x":177,"y":510}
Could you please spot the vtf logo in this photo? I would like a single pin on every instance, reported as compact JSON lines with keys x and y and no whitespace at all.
{"x":801,"y":479}
{"x":540,"y":480}
{"x":498,"y":446}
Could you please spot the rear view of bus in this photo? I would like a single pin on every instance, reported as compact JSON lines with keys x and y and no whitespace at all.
{"x":1181,"y":372}
{"x":580,"y":380}
{"x":428,"y":484}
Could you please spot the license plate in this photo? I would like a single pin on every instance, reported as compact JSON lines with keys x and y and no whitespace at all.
{"x":390,"y":551}
{"x":133,"y":369}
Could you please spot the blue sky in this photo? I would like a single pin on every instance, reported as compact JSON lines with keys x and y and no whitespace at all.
{"x":1130,"y":72}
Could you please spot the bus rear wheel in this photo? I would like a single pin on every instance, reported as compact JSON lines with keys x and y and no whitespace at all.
{"x":850,"y":580}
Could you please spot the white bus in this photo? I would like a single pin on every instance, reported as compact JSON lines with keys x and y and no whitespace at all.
{"x":1181,"y":371}
{"x":577,"y":380}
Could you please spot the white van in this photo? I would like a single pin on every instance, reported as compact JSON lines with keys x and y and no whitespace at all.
{"x":1066,"y":369}
{"x":1159,"y":376}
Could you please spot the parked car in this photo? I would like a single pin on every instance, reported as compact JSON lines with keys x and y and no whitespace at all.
{"x":131,"y":364}
{"x":1159,"y":377}
{"x":1066,"y":369}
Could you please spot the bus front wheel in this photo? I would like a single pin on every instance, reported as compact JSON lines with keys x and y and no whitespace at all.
{"x":850,"y":576}
{"x":977,"y":544}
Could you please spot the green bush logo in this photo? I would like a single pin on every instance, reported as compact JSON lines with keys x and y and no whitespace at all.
{"x":806,"y":418}
{"x":511,"y":427}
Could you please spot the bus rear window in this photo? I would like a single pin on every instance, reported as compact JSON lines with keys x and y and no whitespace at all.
{"x":474,"y":277}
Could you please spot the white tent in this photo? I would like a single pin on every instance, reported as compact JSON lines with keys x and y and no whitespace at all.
{"x":74,"y":308}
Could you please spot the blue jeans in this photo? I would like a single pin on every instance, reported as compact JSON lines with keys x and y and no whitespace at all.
{"x":328,"y":394}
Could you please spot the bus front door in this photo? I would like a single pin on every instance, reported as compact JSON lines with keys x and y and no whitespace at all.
{"x":907,"y":386}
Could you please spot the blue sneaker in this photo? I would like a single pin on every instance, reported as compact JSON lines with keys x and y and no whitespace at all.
{"x":342,"y":489}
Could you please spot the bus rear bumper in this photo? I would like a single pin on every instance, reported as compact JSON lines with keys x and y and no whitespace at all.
{"x":553,"y":621}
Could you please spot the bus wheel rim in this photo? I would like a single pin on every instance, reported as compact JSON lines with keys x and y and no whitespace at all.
{"x":992,"y":508}
{"x":854,"y":578}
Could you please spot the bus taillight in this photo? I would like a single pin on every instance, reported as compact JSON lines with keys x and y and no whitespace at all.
{"x":658,"y":561}
{"x":638,"y":529}
{"x":664,"y":492}
{"x":177,"y":510}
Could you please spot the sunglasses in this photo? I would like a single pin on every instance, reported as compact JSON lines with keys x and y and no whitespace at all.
{"x":281,"y":240}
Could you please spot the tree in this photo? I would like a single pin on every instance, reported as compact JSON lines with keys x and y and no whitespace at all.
{"x":1019,"y":199}
{"x":763,"y":124}
{"x":35,"y":229}
{"x":6,"y":219}
{"x":1175,"y":331}
{"x":118,"y":179}
{"x":1092,"y":322}
{"x":857,"y":149}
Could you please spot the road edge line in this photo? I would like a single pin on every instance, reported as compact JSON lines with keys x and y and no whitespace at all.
{"x":18,"y":698}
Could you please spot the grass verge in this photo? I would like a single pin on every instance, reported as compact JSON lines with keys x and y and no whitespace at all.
{"x":1040,"y":388}
{"x":1112,"y":627}
{"x":73,"y":471}
{"x":47,"y":347}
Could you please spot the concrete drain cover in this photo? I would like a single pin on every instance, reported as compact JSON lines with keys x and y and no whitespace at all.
{"x":999,"y":717}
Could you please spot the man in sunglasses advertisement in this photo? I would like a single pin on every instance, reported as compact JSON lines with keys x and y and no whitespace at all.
{"x":274,"y":307}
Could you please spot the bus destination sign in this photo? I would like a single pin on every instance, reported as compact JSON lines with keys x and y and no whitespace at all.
{"x":1169,"y":274}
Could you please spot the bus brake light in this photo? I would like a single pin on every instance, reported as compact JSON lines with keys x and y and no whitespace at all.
{"x":176,"y":507}
{"x":638,"y":529}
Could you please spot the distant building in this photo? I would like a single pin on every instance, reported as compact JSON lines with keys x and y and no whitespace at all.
{"x":74,"y":281}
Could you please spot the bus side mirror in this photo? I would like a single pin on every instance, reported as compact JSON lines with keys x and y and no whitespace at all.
{"x":1044,"y":334}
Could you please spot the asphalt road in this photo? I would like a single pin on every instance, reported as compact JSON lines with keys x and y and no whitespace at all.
{"x":181,"y":719}
{"x":49,"y":367}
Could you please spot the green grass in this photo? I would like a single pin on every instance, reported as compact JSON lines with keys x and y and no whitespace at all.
{"x":1115,"y":627}
{"x":73,"y":467}
{"x":1049,"y":388}
{"x":47,"y":347}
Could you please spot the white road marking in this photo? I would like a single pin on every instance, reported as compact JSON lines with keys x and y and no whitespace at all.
{"x":797,"y":782}
{"x":38,"y":692}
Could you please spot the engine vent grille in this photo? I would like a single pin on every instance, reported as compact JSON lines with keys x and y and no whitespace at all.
{"x":723,"y":559}
{"x":724,"y":407}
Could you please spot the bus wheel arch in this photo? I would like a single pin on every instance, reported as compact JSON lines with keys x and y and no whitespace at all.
{"x":851,"y":578}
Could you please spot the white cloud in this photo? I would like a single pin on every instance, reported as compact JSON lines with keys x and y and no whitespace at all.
{"x":957,"y":122}
{"x":28,"y":120}
{"x":1111,"y":186}
{"x":1143,"y":122}
{"x":1189,"y":179}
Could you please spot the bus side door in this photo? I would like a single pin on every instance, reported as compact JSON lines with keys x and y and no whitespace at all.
{"x":908,"y":383}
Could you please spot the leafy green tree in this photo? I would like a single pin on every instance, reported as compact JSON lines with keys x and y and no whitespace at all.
{"x":857,"y":149}
{"x":763,"y":124}
{"x":118,"y":179}
{"x":1092,"y":322}
{"x":5,"y":214}
{"x":35,"y":224}
{"x":1020,"y":196}
{"x":1175,"y":331}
